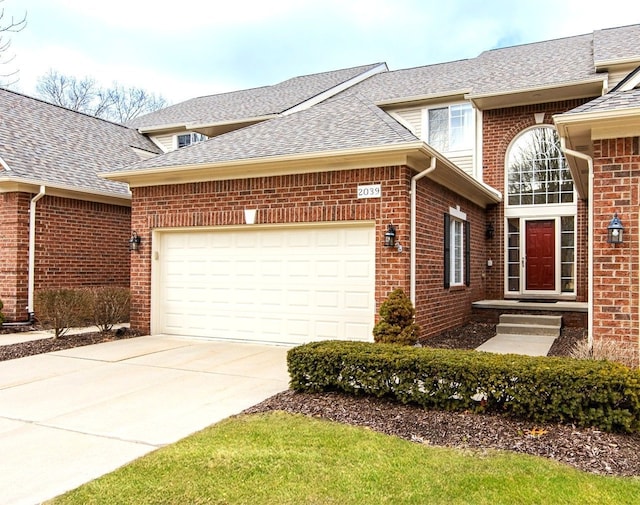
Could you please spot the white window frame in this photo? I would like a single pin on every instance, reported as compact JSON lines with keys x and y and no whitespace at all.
{"x":194,"y":138}
{"x":470,"y":127}
{"x":457,"y":247}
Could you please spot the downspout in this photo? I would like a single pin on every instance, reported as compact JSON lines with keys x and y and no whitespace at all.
{"x":589,"y":160}
{"x":414,"y":197}
{"x":32,"y":251}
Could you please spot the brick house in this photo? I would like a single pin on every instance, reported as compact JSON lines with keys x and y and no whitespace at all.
{"x":61,"y":224}
{"x":462,"y":159}
{"x":267,"y":215}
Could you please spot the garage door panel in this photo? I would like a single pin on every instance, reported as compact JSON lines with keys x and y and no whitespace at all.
{"x":283,"y":285}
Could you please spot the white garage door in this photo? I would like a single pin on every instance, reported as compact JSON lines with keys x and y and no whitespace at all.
{"x":290,"y":285}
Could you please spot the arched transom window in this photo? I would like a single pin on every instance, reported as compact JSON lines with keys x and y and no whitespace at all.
{"x":537,"y":172}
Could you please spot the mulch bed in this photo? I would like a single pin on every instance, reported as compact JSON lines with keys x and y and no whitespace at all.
{"x":589,"y":450}
{"x":32,"y":347}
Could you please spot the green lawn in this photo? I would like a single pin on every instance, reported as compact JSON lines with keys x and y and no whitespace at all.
{"x":282,"y":459}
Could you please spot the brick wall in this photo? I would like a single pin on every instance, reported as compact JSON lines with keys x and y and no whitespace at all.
{"x":437,"y":308}
{"x":14,"y":254}
{"x":616,"y":268}
{"x":78,"y":244}
{"x":321,"y":197}
{"x":500,"y":127}
{"x":81,"y":243}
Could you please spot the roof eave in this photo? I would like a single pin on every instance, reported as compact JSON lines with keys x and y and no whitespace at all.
{"x":25,"y":185}
{"x":454,"y":178}
{"x":413,"y":154}
{"x":429,"y":97}
{"x":604,"y":64}
{"x":550,"y":93}
{"x":579,"y":129}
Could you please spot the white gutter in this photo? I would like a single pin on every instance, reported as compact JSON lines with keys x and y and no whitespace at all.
{"x":32,"y":249}
{"x":589,"y":160}
{"x":414,"y":197}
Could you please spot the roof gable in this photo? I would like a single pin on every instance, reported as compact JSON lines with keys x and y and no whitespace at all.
{"x":245,"y":105}
{"x":348,"y":122}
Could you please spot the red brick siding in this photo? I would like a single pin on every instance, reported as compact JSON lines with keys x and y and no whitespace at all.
{"x":14,"y":254}
{"x":78,"y":244}
{"x":304,"y":198}
{"x":499,"y":128}
{"x":616,"y":268}
{"x":437,"y":308}
{"x":81,"y":243}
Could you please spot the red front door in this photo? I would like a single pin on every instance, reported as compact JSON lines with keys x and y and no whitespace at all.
{"x":541,"y":259}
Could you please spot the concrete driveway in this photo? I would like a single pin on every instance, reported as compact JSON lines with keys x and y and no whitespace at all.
{"x":70,"y":416}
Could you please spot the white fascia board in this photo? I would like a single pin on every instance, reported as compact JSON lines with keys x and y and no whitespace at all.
{"x":255,"y":119}
{"x":162,"y":127}
{"x":382,"y":67}
{"x":461,"y":93}
{"x":568,"y":84}
{"x":13,"y":184}
{"x":603,"y":64}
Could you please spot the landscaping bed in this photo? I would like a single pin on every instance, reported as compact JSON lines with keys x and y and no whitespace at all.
{"x":41,"y":346}
{"x":589,"y":450}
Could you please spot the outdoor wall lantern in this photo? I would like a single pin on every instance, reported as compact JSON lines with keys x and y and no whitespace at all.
{"x":614,"y":230}
{"x":134,"y":242}
{"x":489,"y":231}
{"x":390,"y":238}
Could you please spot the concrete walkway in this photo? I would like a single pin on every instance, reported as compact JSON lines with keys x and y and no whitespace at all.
{"x":27,"y":336}
{"x":536,"y":345}
{"x":70,"y":416}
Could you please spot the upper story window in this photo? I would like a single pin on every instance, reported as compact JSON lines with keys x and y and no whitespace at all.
{"x":186,"y":139}
{"x":537,"y":172}
{"x":450,"y":128}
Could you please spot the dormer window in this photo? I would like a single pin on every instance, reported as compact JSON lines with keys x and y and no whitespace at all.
{"x":187,"y":139}
{"x":450,"y":128}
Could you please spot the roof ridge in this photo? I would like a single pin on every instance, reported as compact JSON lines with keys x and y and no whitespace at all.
{"x":546,"y":41}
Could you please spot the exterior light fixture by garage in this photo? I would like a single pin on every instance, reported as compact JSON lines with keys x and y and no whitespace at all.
{"x":390,"y":238}
{"x":489,"y":230}
{"x":134,"y":242}
{"x":614,"y":230}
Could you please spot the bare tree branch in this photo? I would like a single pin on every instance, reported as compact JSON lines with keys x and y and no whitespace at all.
{"x":9,"y":25}
{"x":116,"y":103}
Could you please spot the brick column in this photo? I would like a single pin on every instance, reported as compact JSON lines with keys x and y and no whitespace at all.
{"x":616,"y":268}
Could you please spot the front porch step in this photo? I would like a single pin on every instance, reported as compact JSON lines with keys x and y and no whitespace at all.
{"x":518,"y":324}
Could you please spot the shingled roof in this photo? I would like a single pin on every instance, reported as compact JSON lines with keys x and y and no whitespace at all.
{"x":507,"y":70}
{"x":41,"y":143}
{"x":251,"y":103}
{"x":349,"y":122}
{"x":615,"y":100}
{"x":616,"y":45}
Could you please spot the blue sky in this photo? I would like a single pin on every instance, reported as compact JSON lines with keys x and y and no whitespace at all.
{"x":192,"y":48}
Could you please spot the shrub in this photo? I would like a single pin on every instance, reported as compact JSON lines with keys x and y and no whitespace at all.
{"x":108,"y":306}
{"x":396,"y":325}
{"x":62,"y":309}
{"x":540,"y":389}
{"x":604,"y":350}
{"x":1,"y":314}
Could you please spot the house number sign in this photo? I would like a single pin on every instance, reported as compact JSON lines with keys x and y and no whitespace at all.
{"x":370,"y":191}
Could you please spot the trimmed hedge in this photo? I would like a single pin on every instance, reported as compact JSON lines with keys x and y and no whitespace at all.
{"x":585,"y":393}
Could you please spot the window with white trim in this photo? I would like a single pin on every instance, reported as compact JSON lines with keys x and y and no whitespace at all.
{"x":537,"y":172}
{"x":450,"y":128}
{"x":457,"y":249}
{"x":187,"y":139}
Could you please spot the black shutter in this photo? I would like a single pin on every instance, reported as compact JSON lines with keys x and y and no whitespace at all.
{"x":467,"y":253}
{"x":447,"y":251}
